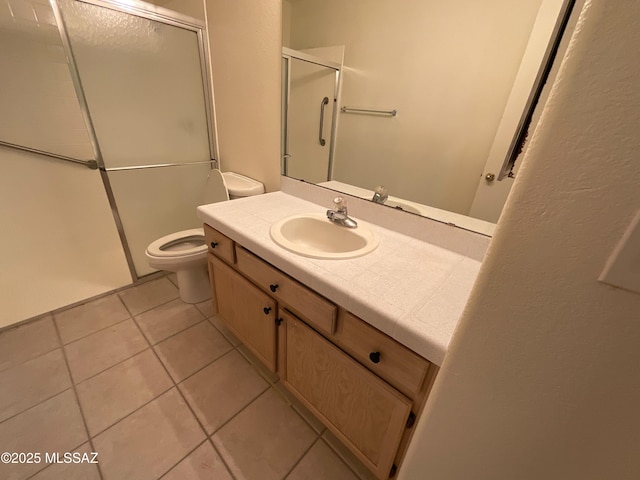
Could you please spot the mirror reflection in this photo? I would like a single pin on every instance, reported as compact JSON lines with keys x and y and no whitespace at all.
{"x":424,"y":98}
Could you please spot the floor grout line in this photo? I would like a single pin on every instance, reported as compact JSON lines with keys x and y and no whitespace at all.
{"x":108,"y":368}
{"x":80,"y":409}
{"x":172,"y":335}
{"x":224,"y":462}
{"x":140,"y":407}
{"x":174,"y":384}
{"x":303,"y":455}
{"x":38,"y":355}
{"x":202,"y":368}
{"x":151,"y":346}
{"x":150,"y":308}
{"x":344,"y":460}
{"x":92,"y":333}
{"x":36,"y":404}
{"x":49,"y":465}
{"x":222,"y":425}
{"x":32,"y":358}
{"x":186,"y":402}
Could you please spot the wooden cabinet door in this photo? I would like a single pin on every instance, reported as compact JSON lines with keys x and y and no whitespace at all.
{"x":248,"y":312}
{"x":366,"y":413}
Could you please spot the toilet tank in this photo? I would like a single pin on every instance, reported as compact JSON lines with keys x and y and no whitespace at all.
{"x":240,"y":186}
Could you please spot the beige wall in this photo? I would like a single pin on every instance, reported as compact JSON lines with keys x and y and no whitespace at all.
{"x":541,"y":380}
{"x":245,"y":45}
{"x":192,"y":8}
{"x":447,"y":67}
{"x":286,"y":23}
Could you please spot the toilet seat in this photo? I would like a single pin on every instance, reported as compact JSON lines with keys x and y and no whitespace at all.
{"x":180,"y":244}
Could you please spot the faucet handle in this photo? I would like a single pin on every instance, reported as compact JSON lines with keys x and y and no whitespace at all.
{"x":381,"y":190}
{"x":339,"y":203}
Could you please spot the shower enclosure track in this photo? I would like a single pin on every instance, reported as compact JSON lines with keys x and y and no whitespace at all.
{"x":92,"y":164}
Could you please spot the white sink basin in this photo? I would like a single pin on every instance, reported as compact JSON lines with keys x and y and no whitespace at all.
{"x":314,"y":235}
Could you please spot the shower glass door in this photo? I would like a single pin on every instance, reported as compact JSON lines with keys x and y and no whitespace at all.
{"x":145,"y":84}
{"x":309,"y":121}
{"x":39,"y":108}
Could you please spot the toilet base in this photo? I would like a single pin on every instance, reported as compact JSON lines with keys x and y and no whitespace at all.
{"x":193,"y":284}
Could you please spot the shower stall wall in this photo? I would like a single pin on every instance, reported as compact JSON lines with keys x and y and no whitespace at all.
{"x":99,"y":84}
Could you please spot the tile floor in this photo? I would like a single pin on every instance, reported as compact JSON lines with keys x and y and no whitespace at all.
{"x":160,"y":389}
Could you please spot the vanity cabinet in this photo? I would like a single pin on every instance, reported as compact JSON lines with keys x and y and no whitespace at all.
{"x":366,"y":413}
{"x":299,"y":299}
{"x":219,"y":244}
{"x":249,"y":313}
{"x":363,"y":385}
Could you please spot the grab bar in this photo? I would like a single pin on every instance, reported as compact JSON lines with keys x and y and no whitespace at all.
{"x":325,"y":101}
{"x":213,"y":162}
{"x":92,"y":164}
{"x":392,"y":113}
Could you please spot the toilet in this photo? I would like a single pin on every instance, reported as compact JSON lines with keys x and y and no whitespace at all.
{"x":185,"y":252}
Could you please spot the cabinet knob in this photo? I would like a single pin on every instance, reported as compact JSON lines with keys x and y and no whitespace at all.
{"x":214,"y":244}
{"x":266,"y":310}
{"x":278,"y":321}
{"x":374,"y":357}
{"x":273,"y":287}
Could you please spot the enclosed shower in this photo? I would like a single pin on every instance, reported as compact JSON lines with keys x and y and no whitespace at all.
{"x":310,"y":95}
{"x":106,"y":141}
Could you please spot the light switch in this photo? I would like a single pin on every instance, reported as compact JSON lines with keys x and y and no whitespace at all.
{"x":623,"y":267}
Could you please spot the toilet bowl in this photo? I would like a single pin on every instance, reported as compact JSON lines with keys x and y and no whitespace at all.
{"x":185,"y":252}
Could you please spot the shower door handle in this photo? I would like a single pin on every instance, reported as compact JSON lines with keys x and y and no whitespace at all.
{"x":325,"y":101}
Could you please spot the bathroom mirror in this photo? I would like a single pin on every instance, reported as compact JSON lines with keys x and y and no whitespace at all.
{"x":430,"y":99}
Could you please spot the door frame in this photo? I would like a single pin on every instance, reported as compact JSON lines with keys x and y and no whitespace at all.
{"x":537,"y":61}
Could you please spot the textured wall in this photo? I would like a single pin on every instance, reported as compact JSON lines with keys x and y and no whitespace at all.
{"x":245,"y":43}
{"x":541,"y":380}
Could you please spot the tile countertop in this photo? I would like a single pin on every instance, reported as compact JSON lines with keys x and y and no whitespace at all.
{"x":411,"y":290}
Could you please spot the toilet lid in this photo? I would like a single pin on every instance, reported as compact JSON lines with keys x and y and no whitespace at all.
{"x":179,"y":244}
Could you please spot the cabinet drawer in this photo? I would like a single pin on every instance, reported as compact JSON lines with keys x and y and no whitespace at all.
{"x":398,"y":365}
{"x":368,"y":415}
{"x":220,"y":245}
{"x":312,"y":307}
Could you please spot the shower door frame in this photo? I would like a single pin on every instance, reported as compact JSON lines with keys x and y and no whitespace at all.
{"x":161,"y":15}
{"x":287,"y":55}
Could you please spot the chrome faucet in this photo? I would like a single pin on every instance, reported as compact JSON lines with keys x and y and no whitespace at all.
{"x":380,"y":195}
{"x":339,"y":214}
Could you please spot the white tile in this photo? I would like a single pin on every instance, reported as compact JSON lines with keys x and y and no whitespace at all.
{"x":321,"y":463}
{"x":220,"y":390}
{"x":190,"y":350}
{"x":27,"y":341}
{"x":203,"y":464}
{"x":150,"y":441}
{"x":278,"y":439}
{"x":80,"y":321}
{"x":115,"y":393}
{"x":168,"y":319}
{"x":145,"y":296}
{"x":52,"y":426}
{"x":101,"y":350}
{"x":29,"y":383}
